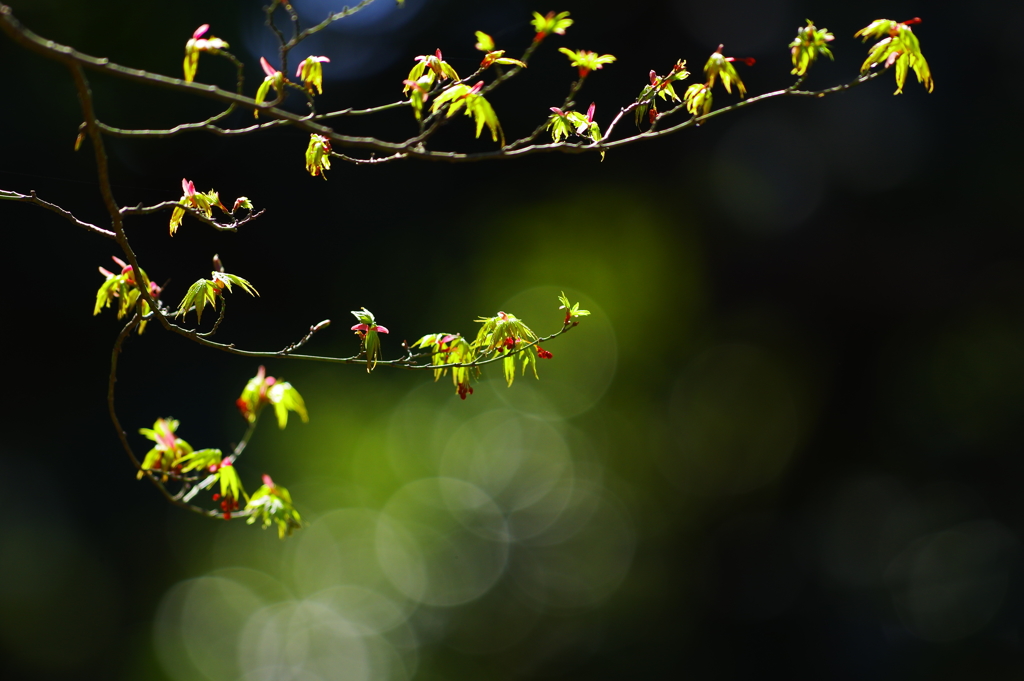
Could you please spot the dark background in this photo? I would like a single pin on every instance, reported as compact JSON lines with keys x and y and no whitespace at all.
{"x":811,"y":422}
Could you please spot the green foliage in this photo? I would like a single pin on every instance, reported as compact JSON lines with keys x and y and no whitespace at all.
{"x":495,"y":57}
{"x":168,"y":452}
{"x":207,"y":291}
{"x":449,"y":348}
{"x":204,"y":203}
{"x":565,"y":123}
{"x":810,"y":43}
{"x":311,"y":73}
{"x":661,"y":86}
{"x":272,"y":503}
{"x":550,"y":23}
{"x":460,"y":96}
{"x":202,"y":459}
{"x":230,"y":483}
{"x":262,"y":390}
{"x":720,"y":66}
{"x":484,"y":42}
{"x":122,"y":286}
{"x":318,"y":155}
{"x":429,"y":67}
{"x":899,"y":46}
{"x":503,"y":333}
{"x":368,"y":331}
{"x":571,"y":311}
{"x":274,"y":79}
{"x":698,"y":99}
{"x":196,"y":45}
{"x":585,"y":60}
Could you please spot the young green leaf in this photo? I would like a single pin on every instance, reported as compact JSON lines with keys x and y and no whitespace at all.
{"x":272,"y":503}
{"x":550,"y":23}
{"x":479,"y":109}
{"x":899,"y":46}
{"x":368,"y":329}
{"x":318,"y":155}
{"x":196,"y":45}
{"x":586,"y":61}
{"x":810,"y":43}
{"x":720,"y":66}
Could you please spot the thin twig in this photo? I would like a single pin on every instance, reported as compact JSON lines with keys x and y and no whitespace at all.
{"x":6,"y":195}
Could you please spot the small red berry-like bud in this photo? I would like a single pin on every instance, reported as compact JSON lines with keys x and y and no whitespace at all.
{"x":652,"y":114}
{"x":227,"y":516}
{"x":543,"y":354}
{"x":216,"y":496}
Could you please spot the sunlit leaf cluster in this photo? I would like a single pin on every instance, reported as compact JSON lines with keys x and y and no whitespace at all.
{"x":897,"y":45}
{"x":585,"y":60}
{"x":468,"y":99}
{"x":318,"y":155}
{"x":262,"y":390}
{"x":122,"y":287}
{"x":210,"y":291}
{"x":810,"y":43}
{"x":196,"y":45}
{"x":272,"y":503}
{"x":546,"y":24}
{"x":368,"y":331}
{"x":660,"y":86}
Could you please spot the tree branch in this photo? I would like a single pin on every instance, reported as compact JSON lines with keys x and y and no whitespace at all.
{"x":7,"y":195}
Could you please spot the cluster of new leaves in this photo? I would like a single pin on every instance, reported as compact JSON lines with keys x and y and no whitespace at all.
{"x":428,"y":68}
{"x":273,"y":79}
{"x":698,"y":97}
{"x":485,"y":43}
{"x":122,"y":286}
{"x":318,"y":156}
{"x":585,"y":60}
{"x":262,"y":390}
{"x":172,"y":457}
{"x":503,"y":335}
{"x":368,"y":331}
{"x":897,"y":45}
{"x":203,"y":203}
{"x":311,"y":73}
{"x":810,"y":43}
{"x":210,"y":291}
{"x":549,"y":23}
{"x":661,"y":86}
{"x":572,"y":311}
{"x":462,"y":96}
{"x":196,"y":46}
{"x":565,"y":123}
{"x":272,"y":503}
{"x":447,"y":348}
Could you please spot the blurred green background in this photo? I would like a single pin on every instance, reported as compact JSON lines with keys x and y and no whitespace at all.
{"x":787,"y":439}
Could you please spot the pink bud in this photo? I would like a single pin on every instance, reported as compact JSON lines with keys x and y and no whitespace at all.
{"x":302,"y":66}
{"x":360,"y":327}
{"x":590,"y":112}
{"x":267,"y":480}
{"x":198,"y":33}
{"x":557,"y":111}
{"x":654,"y":77}
{"x":267,"y":68}
{"x":476,"y":88}
{"x":380,"y":329}
{"x":438,"y":53}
